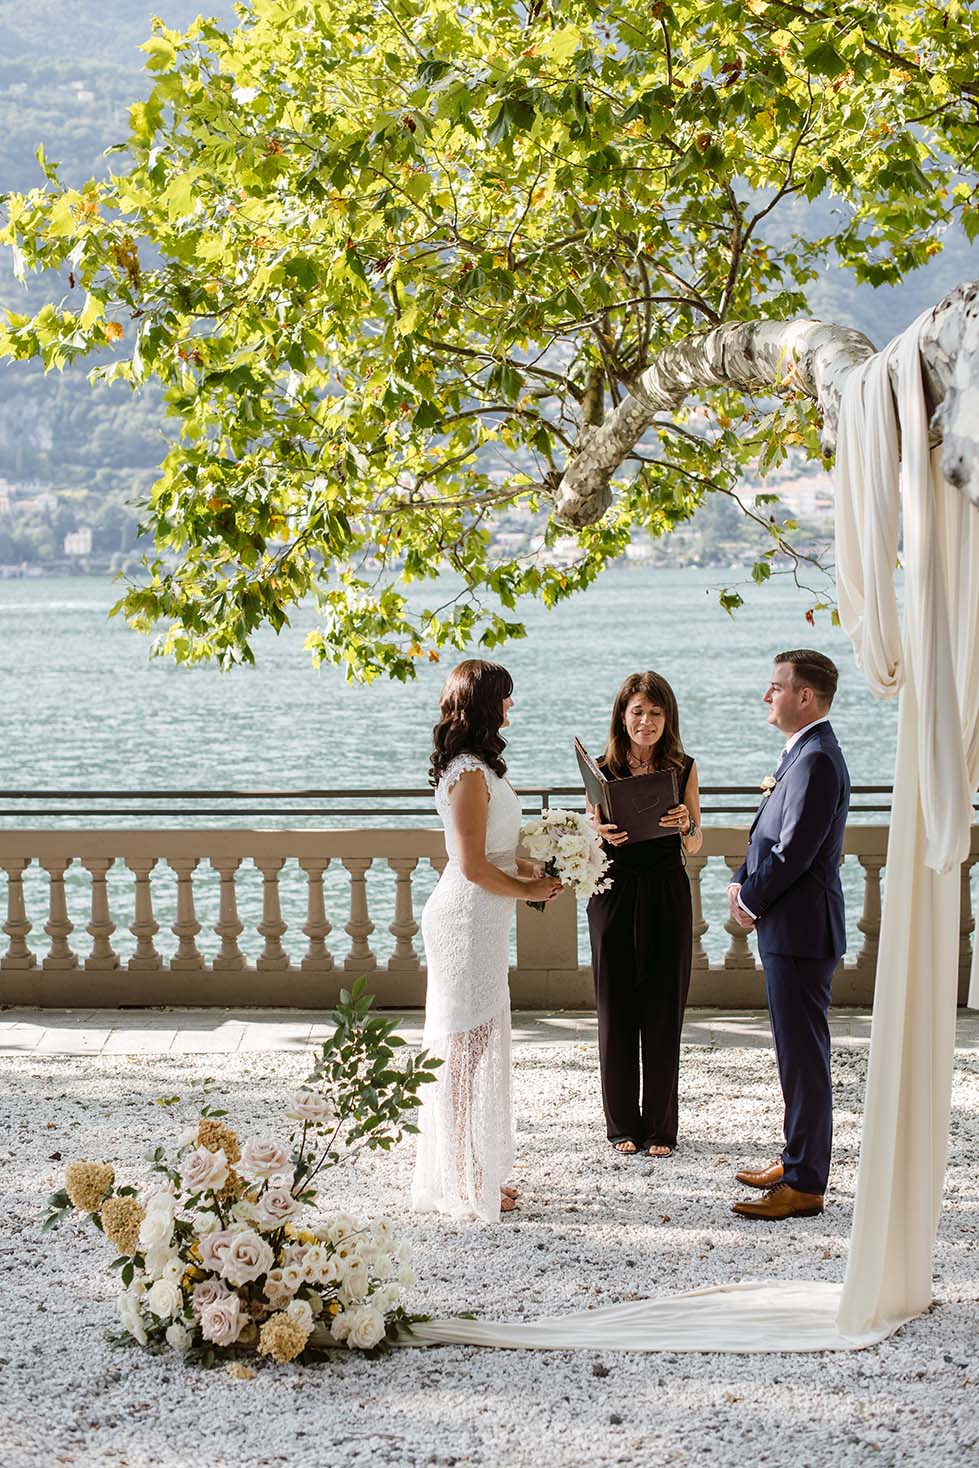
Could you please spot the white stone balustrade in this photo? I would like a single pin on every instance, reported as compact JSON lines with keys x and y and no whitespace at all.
{"x":308,"y":962}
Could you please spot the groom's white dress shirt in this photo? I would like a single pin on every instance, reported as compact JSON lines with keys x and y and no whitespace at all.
{"x":792,"y":740}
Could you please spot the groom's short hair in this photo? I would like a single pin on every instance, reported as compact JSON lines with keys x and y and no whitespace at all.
{"x":812,"y":670}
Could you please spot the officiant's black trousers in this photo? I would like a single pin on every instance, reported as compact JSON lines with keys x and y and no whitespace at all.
{"x":641,"y":943}
{"x":798,"y":992}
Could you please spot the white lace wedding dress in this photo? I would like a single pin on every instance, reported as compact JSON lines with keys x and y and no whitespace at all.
{"x":465,"y":1149}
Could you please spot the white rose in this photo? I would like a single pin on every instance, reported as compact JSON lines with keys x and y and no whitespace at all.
{"x":247,"y":1256}
{"x":261,"y":1157}
{"x":158,"y":1259}
{"x":278,"y":1291}
{"x":293,"y":1275}
{"x":174,"y":1270}
{"x":275,"y":1207}
{"x":340,"y":1325}
{"x":213,"y":1249}
{"x":245,"y":1211}
{"x":388,"y":1297}
{"x":156,"y":1228}
{"x":341,"y":1228}
{"x":206,"y":1292}
{"x":309,"y":1106}
{"x":320,"y":1266}
{"x":130,"y":1315}
{"x":206,"y":1223}
{"x":366,"y":1328}
{"x":179,"y":1337}
{"x":356,"y":1280}
{"x":302,"y":1312}
{"x":164,"y":1299}
{"x":204,"y":1170}
{"x":221,"y":1321}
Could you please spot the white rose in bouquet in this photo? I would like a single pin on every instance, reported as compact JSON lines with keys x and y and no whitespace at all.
{"x":204,"y":1170}
{"x":179,"y":1337}
{"x":309,"y":1106}
{"x":571,"y":850}
{"x":366,"y":1328}
{"x":278,"y":1291}
{"x":247,"y":1256}
{"x":356,"y":1280}
{"x":275,"y":1207}
{"x":130,"y":1313}
{"x":221,"y":1321}
{"x":262,"y":1157}
{"x":156,"y":1228}
{"x":164,"y":1299}
{"x":157,"y":1260}
{"x":302,"y":1312}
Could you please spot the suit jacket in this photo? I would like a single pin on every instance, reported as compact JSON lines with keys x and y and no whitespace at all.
{"x":790,"y":878}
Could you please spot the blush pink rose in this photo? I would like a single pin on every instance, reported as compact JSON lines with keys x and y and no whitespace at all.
{"x":203,"y":1170}
{"x":275,"y":1207}
{"x":247,"y":1256}
{"x":261,"y":1157}
{"x":221,"y":1321}
{"x":214,"y":1247}
{"x":206,"y":1291}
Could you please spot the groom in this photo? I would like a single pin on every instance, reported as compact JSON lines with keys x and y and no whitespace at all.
{"x":788,"y":889}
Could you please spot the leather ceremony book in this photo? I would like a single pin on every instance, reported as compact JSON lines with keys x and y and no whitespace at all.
{"x":634,"y":804}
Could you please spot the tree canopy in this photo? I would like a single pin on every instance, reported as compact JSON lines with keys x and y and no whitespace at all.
{"x":389,"y":259}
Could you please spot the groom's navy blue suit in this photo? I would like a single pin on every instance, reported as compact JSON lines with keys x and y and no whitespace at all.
{"x":790,"y":881}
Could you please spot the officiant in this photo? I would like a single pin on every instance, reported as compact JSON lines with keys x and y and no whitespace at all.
{"x":642,"y":928}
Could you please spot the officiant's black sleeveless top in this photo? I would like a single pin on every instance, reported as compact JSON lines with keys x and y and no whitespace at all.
{"x":659,"y":854}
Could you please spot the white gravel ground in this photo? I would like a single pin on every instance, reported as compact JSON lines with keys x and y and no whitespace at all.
{"x":593,"y":1228}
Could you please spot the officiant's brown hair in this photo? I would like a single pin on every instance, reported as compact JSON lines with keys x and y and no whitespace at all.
{"x":471,"y":709}
{"x":669,"y":749}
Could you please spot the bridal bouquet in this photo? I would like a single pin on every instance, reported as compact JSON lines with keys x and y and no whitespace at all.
{"x":571,"y":850}
{"x":225,"y":1249}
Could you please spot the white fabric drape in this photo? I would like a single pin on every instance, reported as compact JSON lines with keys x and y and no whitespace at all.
{"x":933,"y":663}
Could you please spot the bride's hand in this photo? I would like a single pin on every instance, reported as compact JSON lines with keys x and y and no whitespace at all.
{"x":540,"y":889}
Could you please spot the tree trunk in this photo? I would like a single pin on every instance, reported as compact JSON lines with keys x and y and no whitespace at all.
{"x":812,"y":356}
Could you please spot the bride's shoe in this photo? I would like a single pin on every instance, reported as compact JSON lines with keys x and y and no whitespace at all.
{"x":508,"y":1200}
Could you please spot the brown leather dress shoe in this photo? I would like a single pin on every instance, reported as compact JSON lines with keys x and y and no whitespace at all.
{"x":762,"y":1177}
{"x":781,"y":1201}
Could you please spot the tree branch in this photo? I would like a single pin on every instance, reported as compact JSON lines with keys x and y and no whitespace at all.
{"x":813,"y":357}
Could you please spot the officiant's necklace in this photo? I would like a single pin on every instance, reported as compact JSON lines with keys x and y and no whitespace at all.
{"x":642,"y":767}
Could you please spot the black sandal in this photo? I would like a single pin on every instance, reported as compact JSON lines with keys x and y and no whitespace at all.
{"x":618,"y":1144}
{"x":659,"y":1156}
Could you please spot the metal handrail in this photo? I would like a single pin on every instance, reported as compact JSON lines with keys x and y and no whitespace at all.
{"x":540,"y":797}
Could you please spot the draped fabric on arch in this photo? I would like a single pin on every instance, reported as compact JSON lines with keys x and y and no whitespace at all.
{"x":932,"y":663}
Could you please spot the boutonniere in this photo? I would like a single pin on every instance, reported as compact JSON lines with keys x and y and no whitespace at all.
{"x":768,"y":785}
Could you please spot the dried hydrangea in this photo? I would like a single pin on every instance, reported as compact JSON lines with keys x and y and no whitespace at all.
{"x":121,"y":1218}
{"x":282,"y":1337}
{"x":217,"y":1137}
{"x":87,"y":1183}
{"x":233,"y":1188}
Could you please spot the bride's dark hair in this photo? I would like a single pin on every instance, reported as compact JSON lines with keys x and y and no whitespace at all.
{"x":471,"y":716}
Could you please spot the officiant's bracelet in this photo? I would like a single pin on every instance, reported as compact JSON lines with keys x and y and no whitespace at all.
{"x":691,"y":830}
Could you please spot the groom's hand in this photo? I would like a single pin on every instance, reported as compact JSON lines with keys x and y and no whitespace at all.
{"x":742,"y":918}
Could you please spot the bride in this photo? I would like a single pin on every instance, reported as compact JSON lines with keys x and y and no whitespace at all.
{"x":465,"y":1147}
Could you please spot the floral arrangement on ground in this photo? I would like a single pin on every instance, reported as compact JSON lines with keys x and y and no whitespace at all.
{"x":226,"y":1250}
{"x":570,"y":849}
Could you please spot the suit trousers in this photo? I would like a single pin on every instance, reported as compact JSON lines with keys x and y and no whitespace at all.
{"x":798,"y":992}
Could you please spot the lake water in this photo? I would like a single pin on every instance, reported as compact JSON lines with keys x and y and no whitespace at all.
{"x":84,"y":707}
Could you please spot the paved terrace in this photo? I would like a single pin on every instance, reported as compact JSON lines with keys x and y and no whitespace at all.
{"x":229,"y":1031}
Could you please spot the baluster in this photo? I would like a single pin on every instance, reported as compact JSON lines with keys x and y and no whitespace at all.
{"x":868,"y":922}
{"x":738,"y":955}
{"x":967,"y":925}
{"x":438,"y":864}
{"x":273,"y":956}
{"x":404,"y":926}
{"x":58,"y":926}
{"x":144,"y":926}
{"x":317,"y":959}
{"x":18,"y":955}
{"x":102,"y":956}
{"x":229,"y":925}
{"x":695,"y":865}
{"x":360,"y":926}
{"x":188,"y":957}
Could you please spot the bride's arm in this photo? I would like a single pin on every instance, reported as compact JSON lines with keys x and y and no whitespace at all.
{"x":469,"y":799}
